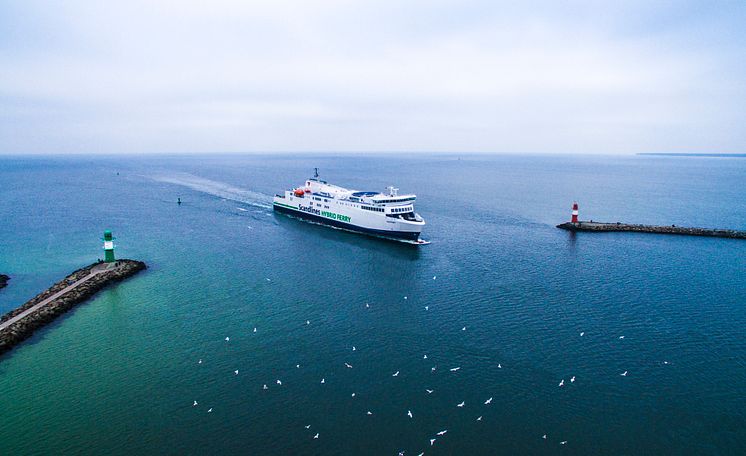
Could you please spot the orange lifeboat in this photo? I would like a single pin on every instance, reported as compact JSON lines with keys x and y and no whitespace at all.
{"x":298,"y":192}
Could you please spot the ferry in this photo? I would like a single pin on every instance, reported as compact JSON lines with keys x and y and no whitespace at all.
{"x":387,"y":215}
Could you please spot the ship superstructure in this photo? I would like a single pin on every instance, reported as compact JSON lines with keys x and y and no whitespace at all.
{"x":386,"y":214}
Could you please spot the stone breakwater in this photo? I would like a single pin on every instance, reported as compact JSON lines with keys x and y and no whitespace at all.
{"x":19,"y":324}
{"x":3,"y":280}
{"x":673,"y":229}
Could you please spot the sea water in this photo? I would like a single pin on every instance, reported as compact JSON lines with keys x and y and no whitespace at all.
{"x":507,"y":296}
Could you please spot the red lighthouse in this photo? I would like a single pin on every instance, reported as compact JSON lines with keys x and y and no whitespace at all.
{"x":574,"y":212}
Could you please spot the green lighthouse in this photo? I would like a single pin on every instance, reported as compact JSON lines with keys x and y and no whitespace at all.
{"x":108,"y":247}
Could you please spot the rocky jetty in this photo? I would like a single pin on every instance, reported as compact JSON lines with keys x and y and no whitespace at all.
{"x":3,"y":280}
{"x":673,"y":229}
{"x":20,"y":323}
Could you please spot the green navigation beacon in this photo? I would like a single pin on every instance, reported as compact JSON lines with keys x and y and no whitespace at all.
{"x":108,"y":247}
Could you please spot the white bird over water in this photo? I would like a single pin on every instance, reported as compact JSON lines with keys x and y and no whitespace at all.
{"x":432,"y":441}
{"x":279,"y":382}
{"x":195,"y":404}
{"x":432,"y":369}
{"x":562,"y":382}
{"x":544,"y":436}
{"x":424,"y":357}
{"x":582,"y":333}
{"x":367,"y":305}
{"x":479,"y":418}
{"x":297,"y":366}
{"x":563,"y":442}
{"x":369,"y":412}
{"x":572,"y":380}
{"x":434,"y":277}
{"x":409,"y":413}
{"x":621,"y":337}
{"x":463,"y":329}
{"x":488,"y":401}
{"x":348,"y":366}
{"x":442,"y":432}
{"x":429,"y":391}
{"x":268,"y":279}
{"x":461,"y":404}
{"x":323,"y":381}
{"x":227,"y":339}
{"x":427,"y":307}
{"x":624,"y":374}
{"x":405,"y":297}
{"x":395,"y":374}
{"x":235,"y":371}
{"x":454,"y":369}
{"x":254,"y":329}
{"x":316,"y":436}
{"x":308,"y":322}
{"x":265,"y":387}
{"x":210,"y":411}
{"x":499,"y":366}
{"x":199,"y":362}
{"x":353,"y":348}
{"x":308,"y":426}
{"x":353,"y":394}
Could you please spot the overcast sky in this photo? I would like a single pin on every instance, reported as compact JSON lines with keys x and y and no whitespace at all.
{"x":344,"y":76}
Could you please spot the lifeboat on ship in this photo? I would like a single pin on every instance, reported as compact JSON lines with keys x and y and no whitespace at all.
{"x":298,"y":192}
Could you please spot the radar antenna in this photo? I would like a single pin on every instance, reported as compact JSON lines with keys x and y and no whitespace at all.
{"x":316,"y":172}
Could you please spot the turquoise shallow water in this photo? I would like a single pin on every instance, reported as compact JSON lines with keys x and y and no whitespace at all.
{"x":119,"y":374}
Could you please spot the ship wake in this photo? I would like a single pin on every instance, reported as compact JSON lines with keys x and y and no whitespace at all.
{"x":215,"y":188}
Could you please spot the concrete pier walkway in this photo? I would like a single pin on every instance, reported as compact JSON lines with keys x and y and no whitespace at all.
{"x":673,"y":229}
{"x":95,"y":270}
{"x":20,"y":323}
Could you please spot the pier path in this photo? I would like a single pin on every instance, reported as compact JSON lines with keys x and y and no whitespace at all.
{"x":95,"y":270}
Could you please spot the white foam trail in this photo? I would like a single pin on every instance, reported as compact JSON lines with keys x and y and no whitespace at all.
{"x":215,"y":188}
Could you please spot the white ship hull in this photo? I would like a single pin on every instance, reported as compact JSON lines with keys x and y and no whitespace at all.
{"x":371,"y":213}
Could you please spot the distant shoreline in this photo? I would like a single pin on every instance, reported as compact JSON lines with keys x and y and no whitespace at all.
{"x":675,"y":154}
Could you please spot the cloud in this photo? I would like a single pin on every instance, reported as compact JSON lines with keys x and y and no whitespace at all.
{"x":366,"y":76}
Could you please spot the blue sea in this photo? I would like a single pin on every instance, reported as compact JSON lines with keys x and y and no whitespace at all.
{"x":517,"y":305}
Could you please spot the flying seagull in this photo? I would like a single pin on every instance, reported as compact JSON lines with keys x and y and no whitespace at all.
{"x":279,"y":382}
{"x":488,"y":401}
{"x":454,"y":369}
{"x":480,"y":418}
{"x":210,"y":411}
{"x":316,"y":436}
{"x":409,"y":413}
{"x":621,"y":337}
{"x":562,"y":382}
{"x":499,"y":366}
{"x":322,"y":381}
{"x":442,"y":432}
{"x":227,"y":339}
{"x":200,"y":361}
{"x":424,"y":357}
{"x":429,"y":391}
{"x":369,"y":412}
{"x":195,"y":404}
{"x":432,"y":441}
{"x":582,"y":333}
{"x":572,"y":380}
{"x":427,"y":307}
{"x":308,"y":426}
{"x":396,"y":374}
{"x":235,"y":371}
{"x":461,"y":404}
{"x":624,"y":374}
{"x":348,"y":366}
{"x":265,"y":387}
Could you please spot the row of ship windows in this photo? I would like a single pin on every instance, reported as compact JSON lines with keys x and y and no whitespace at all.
{"x":374,"y":209}
{"x":397,"y":209}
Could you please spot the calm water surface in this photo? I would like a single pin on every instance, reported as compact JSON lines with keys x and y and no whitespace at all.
{"x":119,"y":374}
